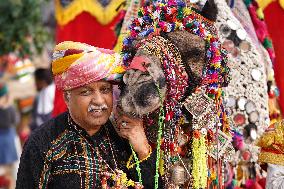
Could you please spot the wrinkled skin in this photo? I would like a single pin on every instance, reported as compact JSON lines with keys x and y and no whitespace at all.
{"x":140,"y":95}
{"x":79,"y":100}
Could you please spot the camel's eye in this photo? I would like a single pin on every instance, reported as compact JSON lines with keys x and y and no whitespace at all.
{"x":195,"y":53}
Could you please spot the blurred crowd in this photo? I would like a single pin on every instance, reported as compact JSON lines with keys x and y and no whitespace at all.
{"x":18,"y":118}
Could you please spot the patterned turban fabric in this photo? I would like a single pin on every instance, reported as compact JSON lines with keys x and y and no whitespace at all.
{"x":77,"y":64}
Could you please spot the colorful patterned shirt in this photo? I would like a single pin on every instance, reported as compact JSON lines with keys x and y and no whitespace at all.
{"x":60,"y":154}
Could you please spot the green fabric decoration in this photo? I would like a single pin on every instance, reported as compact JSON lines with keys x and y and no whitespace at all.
{"x":247,"y":2}
{"x":267,"y":43}
{"x":3,"y":90}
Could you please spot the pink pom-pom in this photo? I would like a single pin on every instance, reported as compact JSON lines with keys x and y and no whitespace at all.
{"x":246,"y":155}
{"x":250,"y":183}
{"x":238,"y":141}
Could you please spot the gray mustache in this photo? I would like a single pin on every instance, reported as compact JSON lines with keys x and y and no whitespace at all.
{"x":97,"y":108}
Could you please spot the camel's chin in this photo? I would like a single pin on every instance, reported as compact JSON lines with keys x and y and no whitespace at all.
{"x":130,"y":107}
{"x":127,"y":106}
{"x":142,"y":99}
{"x":147,"y":110}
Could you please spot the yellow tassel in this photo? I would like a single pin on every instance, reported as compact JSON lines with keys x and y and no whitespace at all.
{"x":259,"y":13}
{"x":264,"y":3}
{"x":281,"y":2}
{"x":199,"y":168}
{"x":119,"y":43}
{"x":161,"y":165}
{"x":203,"y":163}
{"x":195,"y":166}
{"x":186,"y":11}
{"x":118,"y":70}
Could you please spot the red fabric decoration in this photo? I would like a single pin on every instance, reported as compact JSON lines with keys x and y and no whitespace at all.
{"x":85,"y":28}
{"x":262,"y":182}
{"x":274,"y":15}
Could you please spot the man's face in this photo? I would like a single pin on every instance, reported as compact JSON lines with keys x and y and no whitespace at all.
{"x":91,"y":105}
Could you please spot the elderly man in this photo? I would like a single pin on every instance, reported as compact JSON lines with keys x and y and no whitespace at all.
{"x":81,"y":148}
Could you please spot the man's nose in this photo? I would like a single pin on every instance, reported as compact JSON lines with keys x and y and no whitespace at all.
{"x":98,"y":98}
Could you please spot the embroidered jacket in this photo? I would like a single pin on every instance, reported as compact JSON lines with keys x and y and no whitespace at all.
{"x":62,"y":155}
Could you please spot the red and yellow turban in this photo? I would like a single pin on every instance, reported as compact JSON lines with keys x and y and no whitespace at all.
{"x":76,"y":64}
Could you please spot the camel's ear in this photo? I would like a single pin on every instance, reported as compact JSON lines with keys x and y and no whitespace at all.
{"x":185,"y":41}
{"x":210,"y":10}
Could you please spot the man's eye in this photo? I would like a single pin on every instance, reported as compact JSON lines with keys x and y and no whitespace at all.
{"x":85,"y":93}
{"x":106,"y":90}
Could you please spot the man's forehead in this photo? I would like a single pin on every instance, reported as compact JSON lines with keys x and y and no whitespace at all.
{"x":95,"y":85}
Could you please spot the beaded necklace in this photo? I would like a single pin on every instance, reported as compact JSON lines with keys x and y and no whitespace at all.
{"x":137,"y":164}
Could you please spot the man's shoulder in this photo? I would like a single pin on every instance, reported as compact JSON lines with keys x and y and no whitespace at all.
{"x":50,"y":130}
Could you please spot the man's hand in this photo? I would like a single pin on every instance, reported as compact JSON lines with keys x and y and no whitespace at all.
{"x":132,"y":129}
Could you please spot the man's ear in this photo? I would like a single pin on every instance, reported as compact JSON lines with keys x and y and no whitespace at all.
{"x":66,"y":95}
